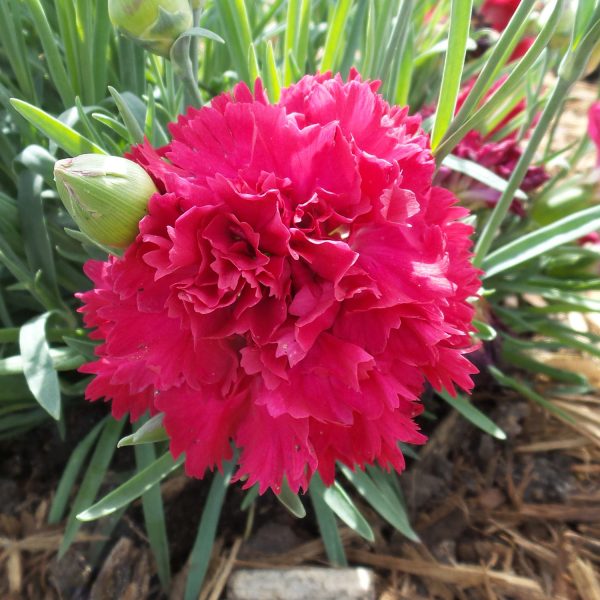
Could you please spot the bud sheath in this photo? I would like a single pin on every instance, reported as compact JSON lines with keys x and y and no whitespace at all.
{"x":107,"y":196}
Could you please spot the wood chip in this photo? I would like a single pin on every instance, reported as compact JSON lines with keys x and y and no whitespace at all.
{"x":460,"y":575}
{"x":585,"y":579}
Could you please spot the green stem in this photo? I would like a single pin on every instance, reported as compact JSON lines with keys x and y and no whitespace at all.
{"x":490,"y":229}
{"x":194,"y":47}
{"x":182,"y":65}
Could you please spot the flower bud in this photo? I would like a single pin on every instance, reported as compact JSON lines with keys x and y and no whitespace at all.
{"x":107,"y":196}
{"x":155,"y":24}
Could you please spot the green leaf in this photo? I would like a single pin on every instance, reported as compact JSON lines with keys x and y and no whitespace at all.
{"x":271,"y":76}
{"x":84,"y":347}
{"x":460,"y":22}
{"x":150,"y":432}
{"x":92,"y":480}
{"x":527,"y":392}
{"x":327,"y":524}
{"x":474,"y":415}
{"x":485,"y":331}
{"x":542,"y":240}
{"x":134,"y":121}
{"x":38,"y":160}
{"x":250,"y":497}
{"x":72,"y":142}
{"x":202,"y":549}
{"x":387,"y":505}
{"x":133,"y":488}
{"x":291,"y":501}
{"x":470,"y":116}
{"x":335,"y":29}
{"x":526,"y":362}
{"x":154,"y":516}
{"x":70,"y":473}
{"x":479,"y":173}
{"x":202,"y":32}
{"x":56,"y":67}
{"x":341,"y":504}
{"x":35,"y":237}
{"x":38,"y":366}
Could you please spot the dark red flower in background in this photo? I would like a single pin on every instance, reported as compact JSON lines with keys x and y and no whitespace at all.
{"x":498,"y":13}
{"x":296,"y":281}
{"x":497,"y":155}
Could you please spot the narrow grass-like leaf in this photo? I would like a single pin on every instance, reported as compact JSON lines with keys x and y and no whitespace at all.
{"x":327,"y":524}
{"x":70,"y":474}
{"x":542,"y":240}
{"x":485,"y":331}
{"x":38,"y":367}
{"x":568,"y":337}
{"x":236,"y":30}
{"x":335,"y":29}
{"x":102,"y":30}
{"x":395,"y":48}
{"x":526,"y":362}
{"x":133,"y":488}
{"x":72,"y":142}
{"x":289,"y":40}
{"x":56,"y":66}
{"x":291,"y":501}
{"x":526,"y":391}
{"x":389,"y":507}
{"x":92,"y":479}
{"x":201,"y":551}
{"x":150,"y":432}
{"x":479,"y":173}
{"x":38,"y":160}
{"x":35,"y":235}
{"x":250,"y":497}
{"x":460,"y":21}
{"x":550,"y":111}
{"x":253,"y":67}
{"x":302,"y":37}
{"x":82,"y":346}
{"x":271,"y":77}
{"x":112,"y":124}
{"x":473,"y":414}
{"x":12,"y":39}
{"x":154,"y":515}
{"x":341,"y":504}
{"x":467,"y":119}
{"x":133,"y":123}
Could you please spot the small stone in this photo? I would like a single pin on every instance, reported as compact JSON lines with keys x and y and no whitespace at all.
{"x":306,"y":583}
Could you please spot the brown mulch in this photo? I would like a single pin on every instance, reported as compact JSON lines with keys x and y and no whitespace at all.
{"x":516,"y":519}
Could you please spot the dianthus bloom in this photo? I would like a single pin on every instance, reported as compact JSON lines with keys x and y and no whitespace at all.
{"x":295,"y":282}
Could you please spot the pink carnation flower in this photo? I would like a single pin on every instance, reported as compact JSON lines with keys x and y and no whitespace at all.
{"x":296,"y":281}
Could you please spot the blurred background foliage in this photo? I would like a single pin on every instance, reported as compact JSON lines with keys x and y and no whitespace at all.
{"x":71,"y":84}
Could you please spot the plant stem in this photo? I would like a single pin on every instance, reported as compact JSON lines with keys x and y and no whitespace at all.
{"x":194,"y":47}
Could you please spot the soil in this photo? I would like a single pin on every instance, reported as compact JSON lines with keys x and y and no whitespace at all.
{"x":512,"y":519}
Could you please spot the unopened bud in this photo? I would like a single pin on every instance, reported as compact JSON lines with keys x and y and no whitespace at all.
{"x":155,"y":24}
{"x":107,"y":196}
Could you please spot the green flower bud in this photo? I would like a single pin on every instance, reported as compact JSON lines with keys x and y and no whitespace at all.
{"x":155,"y":24}
{"x":107,"y":196}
